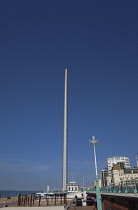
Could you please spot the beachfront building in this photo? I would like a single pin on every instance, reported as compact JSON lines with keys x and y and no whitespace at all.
{"x":72,"y":187}
{"x":122,"y":174}
{"x":99,"y":180}
{"x":106,"y":174}
{"x":104,"y":177}
{"x":115,"y":160}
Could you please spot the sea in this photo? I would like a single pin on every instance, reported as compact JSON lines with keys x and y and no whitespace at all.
{"x":7,"y":193}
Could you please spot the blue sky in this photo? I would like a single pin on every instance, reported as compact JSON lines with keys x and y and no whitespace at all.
{"x":98,"y":42}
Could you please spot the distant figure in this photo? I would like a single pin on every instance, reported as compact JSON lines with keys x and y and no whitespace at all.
{"x":8,"y":197}
{"x":5,"y":204}
{"x":73,"y":203}
{"x":19,"y":199}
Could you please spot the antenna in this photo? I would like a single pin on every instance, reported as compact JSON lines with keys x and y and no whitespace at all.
{"x":72,"y":177}
{"x":137,"y":159}
{"x":83,"y":182}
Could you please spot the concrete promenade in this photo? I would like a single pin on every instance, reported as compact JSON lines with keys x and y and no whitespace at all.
{"x":37,"y":208}
{"x":130,"y":195}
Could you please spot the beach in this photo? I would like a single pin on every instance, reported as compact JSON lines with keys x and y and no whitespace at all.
{"x":10,"y":202}
{"x":13,"y":202}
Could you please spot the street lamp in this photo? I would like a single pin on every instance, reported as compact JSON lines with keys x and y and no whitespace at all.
{"x":95,"y":143}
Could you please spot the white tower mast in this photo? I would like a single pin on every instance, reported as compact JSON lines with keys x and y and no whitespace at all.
{"x":65,"y":140}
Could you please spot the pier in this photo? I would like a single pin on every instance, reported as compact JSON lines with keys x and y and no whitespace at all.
{"x":57,"y":199}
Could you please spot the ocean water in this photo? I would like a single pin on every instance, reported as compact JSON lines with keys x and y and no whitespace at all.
{"x":5,"y":193}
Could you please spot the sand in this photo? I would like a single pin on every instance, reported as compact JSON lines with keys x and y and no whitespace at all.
{"x":11,"y":202}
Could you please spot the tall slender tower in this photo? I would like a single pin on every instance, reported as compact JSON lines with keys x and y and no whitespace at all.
{"x":65,"y":140}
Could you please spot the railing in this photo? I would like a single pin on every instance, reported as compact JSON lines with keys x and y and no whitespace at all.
{"x":129,"y":186}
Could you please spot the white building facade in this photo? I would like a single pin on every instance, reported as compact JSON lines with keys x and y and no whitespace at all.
{"x":72,"y":187}
{"x":123,"y":175}
{"x":115,"y":160}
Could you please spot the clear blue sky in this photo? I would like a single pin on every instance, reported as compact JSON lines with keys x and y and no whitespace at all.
{"x":98,"y":42}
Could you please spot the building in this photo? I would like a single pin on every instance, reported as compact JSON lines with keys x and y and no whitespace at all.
{"x":115,"y":160}
{"x":122,"y":174}
{"x":72,"y":187}
{"x":100,"y":183}
{"x":106,"y":174}
{"x":104,"y":177}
